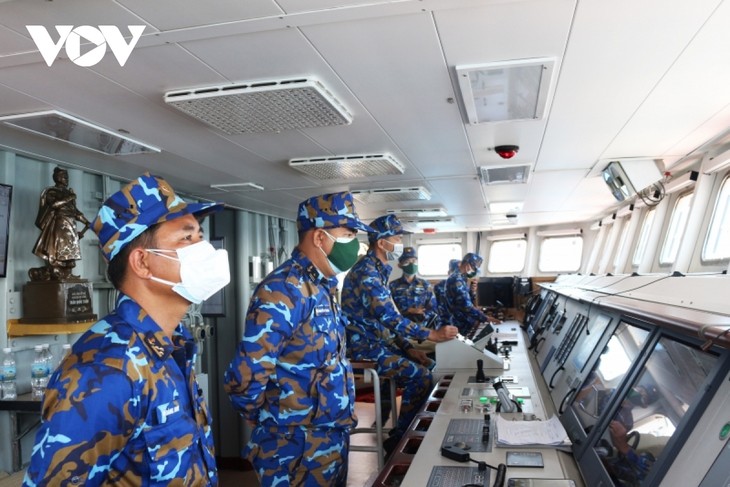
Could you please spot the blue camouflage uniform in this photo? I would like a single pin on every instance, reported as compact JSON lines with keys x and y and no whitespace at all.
{"x":464,"y":314}
{"x":377,"y":331}
{"x":125,"y":407}
{"x":439,"y":291}
{"x":417,"y":293}
{"x":290,"y":375}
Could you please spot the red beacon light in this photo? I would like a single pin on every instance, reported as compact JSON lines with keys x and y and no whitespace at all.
{"x":506,"y":151}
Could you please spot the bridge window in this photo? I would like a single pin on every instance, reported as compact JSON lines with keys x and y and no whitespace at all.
{"x":675,"y":232}
{"x":717,"y":242}
{"x":643,"y":238}
{"x":433,"y":259}
{"x":507,"y":256}
{"x":561,"y":254}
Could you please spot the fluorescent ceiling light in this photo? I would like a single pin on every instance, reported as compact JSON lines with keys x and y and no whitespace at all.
{"x":347,"y":167}
{"x":429,"y":222}
{"x":504,"y":174}
{"x":681,"y":182}
{"x":506,"y":207}
{"x":563,"y":232}
{"x":511,"y":90}
{"x":238,"y":187}
{"x":80,"y":133}
{"x":507,"y":236}
{"x":391,"y":194}
{"x":418,"y":212}
{"x":262,"y":106}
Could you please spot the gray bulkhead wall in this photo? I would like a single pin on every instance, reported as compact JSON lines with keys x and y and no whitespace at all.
{"x":246,"y":235}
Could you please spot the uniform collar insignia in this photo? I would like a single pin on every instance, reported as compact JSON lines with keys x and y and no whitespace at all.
{"x":156,"y":345}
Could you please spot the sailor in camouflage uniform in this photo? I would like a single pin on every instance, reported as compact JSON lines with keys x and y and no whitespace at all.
{"x":412,"y":295}
{"x":464,"y":314}
{"x":439,"y":291}
{"x":290,"y":376}
{"x":125,"y":407}
{"x":377,"y":331}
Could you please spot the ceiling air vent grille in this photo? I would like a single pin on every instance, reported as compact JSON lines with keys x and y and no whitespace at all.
{"x":262,"y":106}
{"x":504,"y":175}
{"x":391,"y":194}
{"x":418,"y":212}
{"x":347,"y":167}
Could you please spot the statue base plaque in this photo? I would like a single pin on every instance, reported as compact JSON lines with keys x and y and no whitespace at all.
{"x":57,"y":302}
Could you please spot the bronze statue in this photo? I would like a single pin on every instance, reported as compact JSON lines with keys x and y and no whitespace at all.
{"x":58,"y":243}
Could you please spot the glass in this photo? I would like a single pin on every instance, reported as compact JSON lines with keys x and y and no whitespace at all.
{"x":561,"y":254}
{"x":643,"y":238}
{"x":677,"y":224}
{"x":621,"y":243}
{"x":717,"y":242}
{"x":507,"y":256}
{"x":670,"y":383}
{"x":600,"y":385}
{"x":433,"y":259}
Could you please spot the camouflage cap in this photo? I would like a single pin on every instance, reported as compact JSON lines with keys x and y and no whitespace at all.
{"x":386,"y":226}
{"x":475,"y":260}
{"x":144,"y":202}
{"x":408,"y":253}
{"x":453,"y":265}
{"x":329,"y":211}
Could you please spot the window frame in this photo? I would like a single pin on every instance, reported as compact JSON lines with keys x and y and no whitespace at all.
{"x":498,"y":243}
{"x":724,"y":186}
{"x":673,"y":226}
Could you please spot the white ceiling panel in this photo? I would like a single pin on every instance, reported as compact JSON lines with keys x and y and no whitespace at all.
{"x":399,"y":74}
{"x":616,"y":55}
{"x":179,"y":14}
{"x":12,"y":41}
{"x":16,"y":15}
{"x":664,"y":117}
{"x":550,"y":190}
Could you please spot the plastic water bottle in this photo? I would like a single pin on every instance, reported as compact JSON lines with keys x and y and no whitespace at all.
{"x":38,"y":374}
{"x":65,"y":352}
{"x":9,"y":373}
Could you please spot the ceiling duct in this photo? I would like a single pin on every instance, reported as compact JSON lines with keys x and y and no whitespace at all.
{"x":418,"y":212}
{"x":80,"y":133}
{"x":262,"y":106}
{"x":391,"y":194}
{"x":347,"y":167}
{"x":504,"y":174}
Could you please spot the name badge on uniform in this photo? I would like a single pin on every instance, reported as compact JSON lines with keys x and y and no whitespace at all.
{"x":322,"y":310}
{"x":166,"y":410}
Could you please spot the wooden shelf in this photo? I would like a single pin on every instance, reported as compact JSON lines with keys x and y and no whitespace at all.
{"x":16,"y":329}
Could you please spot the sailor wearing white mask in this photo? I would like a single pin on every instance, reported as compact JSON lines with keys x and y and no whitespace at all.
{"x":129,"y":381}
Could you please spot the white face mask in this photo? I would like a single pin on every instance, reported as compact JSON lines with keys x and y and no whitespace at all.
{"x":204,"y":270}
{"x":396,"y":252}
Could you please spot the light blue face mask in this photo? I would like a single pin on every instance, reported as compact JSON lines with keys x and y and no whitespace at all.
{"x":395,"y":253}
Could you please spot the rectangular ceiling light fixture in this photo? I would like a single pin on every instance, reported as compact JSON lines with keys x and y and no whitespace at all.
{"x":80,"y":133}
{"x":429,"y":222}
{"x":262,"y":106}
{"x":391,"y":194}
{"x":511,"y":90}
{"x":348,"y":167}
{"x":504,"y":174}
{"x":418,"y":212}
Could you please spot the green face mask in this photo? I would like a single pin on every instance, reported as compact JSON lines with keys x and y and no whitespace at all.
{"x":344,"y":253}
{"x":471,"y":274}
{"x":410,"y":269}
